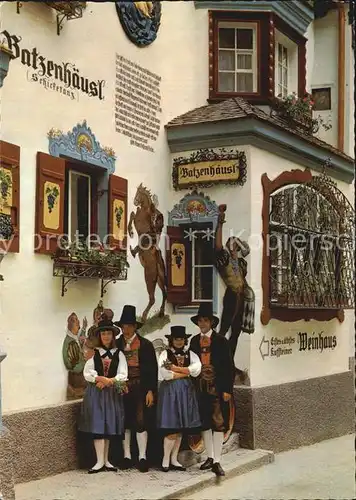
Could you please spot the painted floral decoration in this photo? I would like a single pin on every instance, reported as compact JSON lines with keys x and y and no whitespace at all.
{"x":54,"y":132}
{"x":52,"y":195}
{"x":118,"y":215}
{"x":109,"y":151}
{"x":196,"y":206}
{"x":84,"y":141}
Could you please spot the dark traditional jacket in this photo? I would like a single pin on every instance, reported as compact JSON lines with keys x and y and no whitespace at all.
{"x":148,"y":363}
{"x":221,"y":359}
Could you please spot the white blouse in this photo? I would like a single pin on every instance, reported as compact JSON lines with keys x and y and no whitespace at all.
{"x":90,"y":373}
{"x":164,"y":374}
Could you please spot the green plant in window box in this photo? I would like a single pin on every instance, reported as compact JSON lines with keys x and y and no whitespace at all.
{"x":298,"y":111}
{"x":80,"y":253}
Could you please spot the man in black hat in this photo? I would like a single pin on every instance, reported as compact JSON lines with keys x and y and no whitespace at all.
{"x":142,"y":385}
{"x":215,"y":384}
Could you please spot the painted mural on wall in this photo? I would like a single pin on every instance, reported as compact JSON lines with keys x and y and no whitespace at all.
{"x":78,"y":347}
{"x":73,"y":356}
{"x":239,"y":299}
{"x":149,"y":222}
{"x":140,"y":20}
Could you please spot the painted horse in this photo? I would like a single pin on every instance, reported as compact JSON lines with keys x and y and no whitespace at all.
{"x":149,"y":222}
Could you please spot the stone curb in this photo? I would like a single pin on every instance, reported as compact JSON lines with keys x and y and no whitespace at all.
{"x":242,"y":465}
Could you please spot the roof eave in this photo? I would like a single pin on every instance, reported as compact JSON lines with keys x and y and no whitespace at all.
{"x":262,"y":134}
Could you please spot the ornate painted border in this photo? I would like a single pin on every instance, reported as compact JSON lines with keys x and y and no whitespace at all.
{"x":181,"y":212}
{"x":211,"y":155}
{"x":81,"y":144}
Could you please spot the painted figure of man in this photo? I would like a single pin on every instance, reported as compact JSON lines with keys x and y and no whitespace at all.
{"x":73,"y":359}
{"x":239,"y":299}
{"x":139,"y":402}
{"x":215,"y":385}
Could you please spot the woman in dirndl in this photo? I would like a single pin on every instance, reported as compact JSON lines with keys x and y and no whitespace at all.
{"x":178,"y":409}
{"x":102,"y":412}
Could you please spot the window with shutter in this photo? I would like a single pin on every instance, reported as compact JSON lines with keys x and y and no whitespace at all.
{"x":70,"y":198}
{"x":117,"y":212}
{"x":9,"y":197}
{"x":50,"y":196}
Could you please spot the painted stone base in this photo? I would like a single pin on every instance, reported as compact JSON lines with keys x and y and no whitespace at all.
{"x":287,"y":416}
{"x":7,"y":491}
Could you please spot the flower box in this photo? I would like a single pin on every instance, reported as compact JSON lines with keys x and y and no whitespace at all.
{"x":67,"y":8}
{"x":296,"y":112}
{"x":72,"y":262}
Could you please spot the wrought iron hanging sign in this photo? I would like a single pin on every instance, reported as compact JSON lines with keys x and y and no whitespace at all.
{"x":208,"y":167}
{"x":140,"y":20}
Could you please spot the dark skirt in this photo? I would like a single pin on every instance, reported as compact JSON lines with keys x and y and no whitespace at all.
{"x":102,"y":412}
{"x":178,"y":406}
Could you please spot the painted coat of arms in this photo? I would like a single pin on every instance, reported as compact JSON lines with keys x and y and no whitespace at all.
{"x":140,"y":20}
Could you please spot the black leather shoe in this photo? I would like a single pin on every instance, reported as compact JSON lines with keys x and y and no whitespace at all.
{"x":218,"y":470}
{"x":207,"y":464}
{"x":95,"y":471}
{"x":126,"y":464}
{"x":110,"y":469}
{"x":164,"y":469}
{"x":142,"y":465}
{"x":178,"y":467}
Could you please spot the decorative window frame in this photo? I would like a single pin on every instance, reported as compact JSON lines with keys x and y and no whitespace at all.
{"x":292,"y":63}
{"x":180,"y":214}
{"x":81,"y":144}
{"x":281,"y":313}
{"x":267,"y":23}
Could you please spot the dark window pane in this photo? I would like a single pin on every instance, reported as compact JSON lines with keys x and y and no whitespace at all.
{"x":203,"y":246}
{"x":79,"y":205}
{"x":244,"y":38}
{"x":227,"y":38}
{"x":83,"y":206}
{"x":203,"y":283}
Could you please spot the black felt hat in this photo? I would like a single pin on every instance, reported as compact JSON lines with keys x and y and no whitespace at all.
{"x":178,"y":332}
{"x":106,"y":325}
{"x":206,"y":311}
{"x":128,"y":317}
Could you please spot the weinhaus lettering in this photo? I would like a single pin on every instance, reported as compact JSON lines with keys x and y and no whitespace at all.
{"x":47,"y":71}
{"x":317,"y":342}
